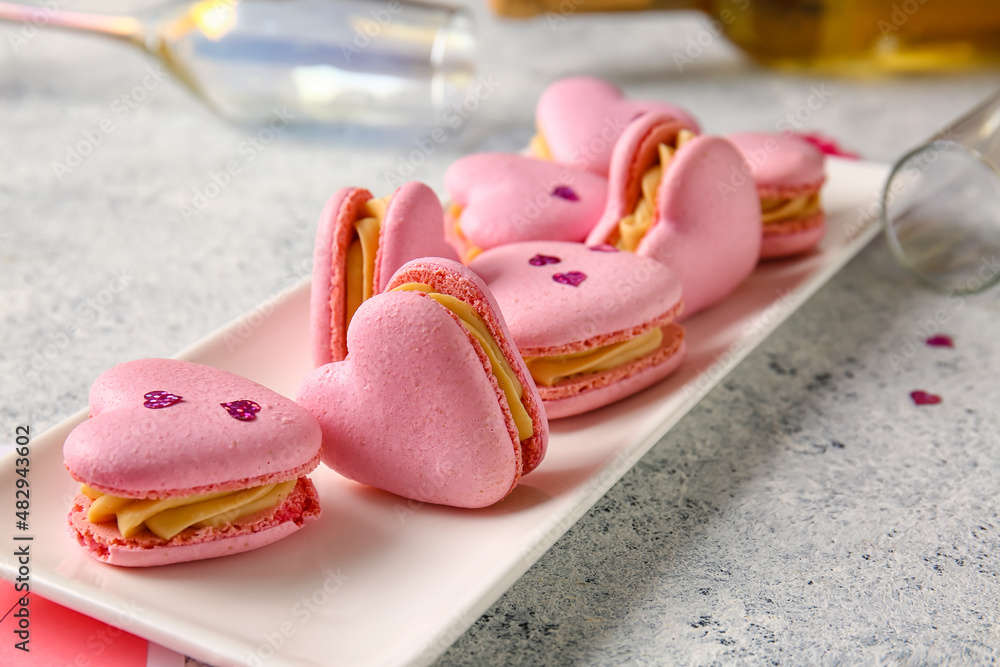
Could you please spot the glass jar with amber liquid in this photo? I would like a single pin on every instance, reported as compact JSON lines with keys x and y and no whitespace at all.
{"x":843,"y":36}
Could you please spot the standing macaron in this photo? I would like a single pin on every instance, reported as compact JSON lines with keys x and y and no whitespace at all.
{"x":182,"y":462}
{"x":788,"y":171}
{"x":502,"y":198}
{"x":360,"y":242}
{"x":433,"y":402}
{"x":594,"y":324}
{"x":579,"y":119}
{"x":672,"y":197}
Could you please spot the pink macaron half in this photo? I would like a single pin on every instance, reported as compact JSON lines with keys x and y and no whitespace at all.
{"x":579,"y":120}
{"x":501,"y":198}
{"x":163,"y":433}
{"x":433,"y":401}
{"x":594,"y":324}
{"x":789,"y":173}
{"x":703,"y":215}
{"x":411,"y":227}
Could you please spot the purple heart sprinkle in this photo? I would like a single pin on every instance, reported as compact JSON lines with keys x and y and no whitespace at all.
{"x":160,"y":399}
{"x":940,"y":340}
{"x":565,"y":192}
{"x":604,"y":247}
{"x":572,"y":278}
{"x":242,"y":409}
{"x":542,"y":260}
{"x":924,"y":398}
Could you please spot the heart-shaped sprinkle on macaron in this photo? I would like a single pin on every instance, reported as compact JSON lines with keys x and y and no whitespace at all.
{"x":921,"y":397}
{"x":160,"y":399}
{"x":940,"y":340}
{"x":542,"y":260}
{"x":565,"y":192}
{"x":242,"y":409}
{"x":603,"y":247}
{"x":571,"y":278}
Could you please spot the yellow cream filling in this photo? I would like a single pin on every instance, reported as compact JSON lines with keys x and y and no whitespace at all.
{"x":359,"y":270}
{"x":775,"y":210}
{"x":548,"y":371}
{"x":509,"y":384}
{"x":471,"y":251}
{"x":539,"y":148}
{"x":166,"y":517}
{"x":634,"y":226}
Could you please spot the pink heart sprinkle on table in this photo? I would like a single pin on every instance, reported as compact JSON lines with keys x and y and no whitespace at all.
{"x":940,"y":340}
{"x":924,"y":398}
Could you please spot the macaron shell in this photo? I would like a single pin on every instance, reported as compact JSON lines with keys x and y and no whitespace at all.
{"x":636,"y":151}
{"x":456,"y":280}
{"x":413,"y":410}
{"x":793,"y":240}
{"x":193,"y":446}
{"x":709,"y":236}
{"x":622,"y":293}
{"x":412,"y":228}
{"x":506,"y":198}
{"x":581,"y":118}
{"x":326,"y":298}
{"x":621,"y":383}
{"x":106,"y":544}
{"x":782,"y":164}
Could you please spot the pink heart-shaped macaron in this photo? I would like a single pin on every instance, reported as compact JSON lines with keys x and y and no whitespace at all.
{"x":501,"y":198}
{"x":161,"y":429}
{"x":568,"y":315}
{"x":414,"y":409}
{"x":706,"y":223}
{"x":581,"y":118}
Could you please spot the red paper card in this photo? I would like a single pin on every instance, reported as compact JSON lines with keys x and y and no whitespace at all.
{"x":60,"y":637}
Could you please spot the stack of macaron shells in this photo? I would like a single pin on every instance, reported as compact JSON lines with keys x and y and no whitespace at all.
{"x":788,"y":171}
{"x":433,"y":401}
{"x":360,"y":242}
{"x":180,"y":462}
{"x":664,"y":202}
{"x":594,"y":324}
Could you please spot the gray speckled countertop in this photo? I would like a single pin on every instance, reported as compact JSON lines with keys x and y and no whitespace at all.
{"x":806,"y":512}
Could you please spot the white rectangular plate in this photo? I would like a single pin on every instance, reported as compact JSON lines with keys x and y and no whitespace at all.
{"x":380,"y":580}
